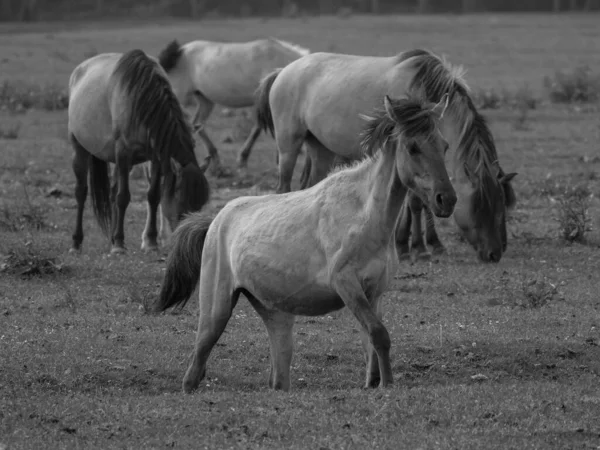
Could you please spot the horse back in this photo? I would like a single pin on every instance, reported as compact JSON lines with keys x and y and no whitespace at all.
{"x":326,"y":93}
{"x":228,"y":73}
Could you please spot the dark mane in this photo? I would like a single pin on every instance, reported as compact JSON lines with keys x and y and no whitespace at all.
{"x":476,"y":151}
{"x":170,"y":55}
{"x":410,"y":120}
{"x":154,"y":108}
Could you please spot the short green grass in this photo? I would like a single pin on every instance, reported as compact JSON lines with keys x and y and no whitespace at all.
{"x":484,"y":356}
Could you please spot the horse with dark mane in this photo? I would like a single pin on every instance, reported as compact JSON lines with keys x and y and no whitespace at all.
{"x":227,"y":74}
{"x":318,"y":101}
{"x":122,"y":111}
{"x":286,"y":254}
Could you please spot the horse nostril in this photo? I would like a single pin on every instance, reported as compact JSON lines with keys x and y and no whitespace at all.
{"x":439,"y":200}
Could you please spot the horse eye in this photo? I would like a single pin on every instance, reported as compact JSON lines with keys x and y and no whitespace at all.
{"x":413,"y":150}
{"x":446,"y":147}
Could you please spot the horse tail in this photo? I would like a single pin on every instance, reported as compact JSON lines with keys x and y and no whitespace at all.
{"x":100,"y":193}
{"x":304,"y":179}
{"x":170,"y":55}
{"x":183,"y":263}
{"x":264,"y":117}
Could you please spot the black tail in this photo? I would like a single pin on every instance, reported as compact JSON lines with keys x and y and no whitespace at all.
{"x":170,"y":55}
{"x":184,"y":261}
{"x":264,"y":118}
{"x":100,"y":193}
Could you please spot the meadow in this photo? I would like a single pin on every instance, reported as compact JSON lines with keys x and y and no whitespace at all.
{"x":484,"y":356}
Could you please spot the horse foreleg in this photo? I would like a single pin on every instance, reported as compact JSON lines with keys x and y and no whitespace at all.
{"x":403,"y":231}
{"x":247,"y":148}
{"x":80,"y":168}
{"x":150,"y":232}
{"x":351,"y":292}
{"x":371,"y":359}
{"x":431,"y":235}
{"x":123,"y":197}
{"x":417,"y":245}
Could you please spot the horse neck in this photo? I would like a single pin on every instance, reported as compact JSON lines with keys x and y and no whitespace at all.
{"x":384,"y":197}
{"x":455,"y":123}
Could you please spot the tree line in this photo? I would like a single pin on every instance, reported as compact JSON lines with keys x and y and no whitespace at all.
{"x":32,"y":10}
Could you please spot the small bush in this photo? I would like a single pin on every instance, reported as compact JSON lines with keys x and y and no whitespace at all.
{"x":575,"y":86}
{"x":488,"y":99}
{"x":11,"y":132}
{"x":19,"y":97}
{"x":25,"y":216}
{"x":538,"y":291}
{"x":28,"y":261}
{"x":572,"y":214}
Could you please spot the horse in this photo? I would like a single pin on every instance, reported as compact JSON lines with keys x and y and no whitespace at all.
{"x":227,"y":74}
{"x":122,"y":110}
{"x":318,"y":101}
{"x":286,"y":254}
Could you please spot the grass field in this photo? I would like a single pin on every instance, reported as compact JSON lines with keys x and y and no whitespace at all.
{"x":484,"y":356}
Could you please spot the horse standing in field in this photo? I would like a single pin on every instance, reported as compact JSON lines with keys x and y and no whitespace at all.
{"x":286,"y":253}
{"x":227,"y":74}
{"x":122,"y":110}
{"x":318,"y":101}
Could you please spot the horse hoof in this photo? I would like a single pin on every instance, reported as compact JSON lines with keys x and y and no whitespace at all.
{"x":117,"y":251}
{"x":420,"y":256}
{"x":403,"y":256}
{"x":149,"y":248}
{"x":74,"y":250}
{"x":438,"y":250}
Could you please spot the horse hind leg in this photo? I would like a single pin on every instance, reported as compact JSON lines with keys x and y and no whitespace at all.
{"x":279,"y":327}
{"x":417,"y":245}
{"x":216,"y":307}
{"x":204,"y":108}
{"x":431,"y":236}
{"x":289,"y":143}
{"x":402,"y":233}
{"x":247,"y":147}
{"x":80,"y":168}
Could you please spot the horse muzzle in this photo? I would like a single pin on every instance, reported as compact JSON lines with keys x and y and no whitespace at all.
{"x":443,"y":201}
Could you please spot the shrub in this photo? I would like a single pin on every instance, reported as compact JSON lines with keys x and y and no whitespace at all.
{"x":577,"y":85}
{"x":572,"y":213}
{"x":19,"y":97}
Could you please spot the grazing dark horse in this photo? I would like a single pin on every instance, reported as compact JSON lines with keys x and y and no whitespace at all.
{"x":122,"y":110}
{"x":318,"y":100}
{"x":227,"y":74}
{"x":286,"y":253}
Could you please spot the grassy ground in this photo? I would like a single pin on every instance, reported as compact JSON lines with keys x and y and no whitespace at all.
{"x":502,"y":356}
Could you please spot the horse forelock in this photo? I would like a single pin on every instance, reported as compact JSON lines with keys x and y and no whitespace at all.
{"x":153,"y":107}
{"x":410,"y":121}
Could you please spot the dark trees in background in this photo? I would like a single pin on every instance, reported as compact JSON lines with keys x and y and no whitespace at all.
{"x":31,"y":10}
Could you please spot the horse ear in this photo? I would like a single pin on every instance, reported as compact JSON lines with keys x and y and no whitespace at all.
{"x":205,"y":164}
{"x":389,"y":109}
{"x":507,"y":177}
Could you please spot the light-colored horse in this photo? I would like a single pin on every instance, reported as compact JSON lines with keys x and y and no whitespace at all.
{"x":226,"y":74}
{"x":288,"y":257}
{"x":317,"y":101}
{"x":122,"y":110}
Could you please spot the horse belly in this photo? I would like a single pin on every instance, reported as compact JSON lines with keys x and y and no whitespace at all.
{"x":228,"y":84}
{"x":90,"y":121}
{"x":312,"y":300}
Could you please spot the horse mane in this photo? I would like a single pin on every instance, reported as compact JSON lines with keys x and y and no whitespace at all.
{"x":170,"y":55}
{"x":411,"y":119}
{"x":154,"y":108}
{"x":302,"y":51}
{"x":476,"y":152}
